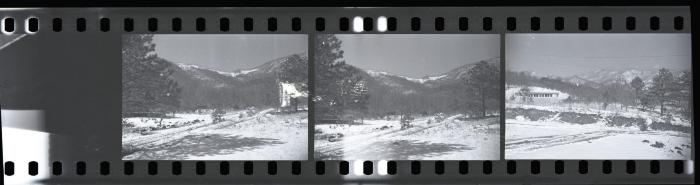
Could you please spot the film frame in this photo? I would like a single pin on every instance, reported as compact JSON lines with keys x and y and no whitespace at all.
{"x":501,"y":20}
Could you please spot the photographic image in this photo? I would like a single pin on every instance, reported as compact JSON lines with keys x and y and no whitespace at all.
{"x":598,"y":96}
{"x":407,"y":97}
{"x":214,"y":97}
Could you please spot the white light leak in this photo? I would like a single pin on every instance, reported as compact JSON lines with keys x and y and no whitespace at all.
{"x":357,"y":167}
{"x":2,"y":27}
{"x":26,"y":26}
{"x":22,"y":146}
{"x":690,"y":167}
{"x":381,"y":24}
{"x":382,"y":167}
{"x":357,"y":24}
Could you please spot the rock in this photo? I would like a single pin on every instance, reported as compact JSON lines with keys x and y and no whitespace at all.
{"x":645,"y":141}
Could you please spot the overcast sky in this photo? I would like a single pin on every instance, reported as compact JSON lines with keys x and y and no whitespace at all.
{"x":569,"y":54}
{"x":417,"y":55}
{"x":228,"y":52}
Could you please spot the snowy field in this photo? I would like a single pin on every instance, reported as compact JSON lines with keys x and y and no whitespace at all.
{"x":544,"y":133}
{"x":262,"y":135}
{"x":450,"y":139}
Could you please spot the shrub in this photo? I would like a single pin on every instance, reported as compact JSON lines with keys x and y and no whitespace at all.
{"x":406,"y":121}
{"x":667,"y":126}
{"x":439,"y":117}
{"x":218,"y":115}
{"x":127,"y":124}
{"x":624,"y":121}
{"x":578,"y":118}
{"x":532,"y":114}
{"x":251,"y":111}
{"x":643,"y":126}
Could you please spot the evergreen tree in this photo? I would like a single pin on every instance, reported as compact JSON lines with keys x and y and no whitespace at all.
{"x":329,"y":61}
{"x":146,"y":82}
{"x":662,"y":87}
{"x":340,"y":88}
{"x":483,"y":80}
{"x":638,"y":85}
{"x":684,"y":94}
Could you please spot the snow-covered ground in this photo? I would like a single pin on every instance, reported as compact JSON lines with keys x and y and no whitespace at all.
{"x":551,"y":138}
{"x":451,"y":139}
{"x":259,"y":136}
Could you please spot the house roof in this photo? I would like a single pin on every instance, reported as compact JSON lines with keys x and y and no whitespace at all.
{"x":543,"y":90}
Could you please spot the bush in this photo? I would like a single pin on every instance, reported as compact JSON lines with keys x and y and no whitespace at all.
{"x":624,"y":121}
{"x":531,"y":114}
{"x":667,"y":126}
{"x":439,"y":117}
{"x":621,"y":121}
{"x":578,"y":118}
{"x":643,"y":126}
{"x":406,"y":121}
{"x":127,"y":124}
{"x":218,"y":115}
{"x":251,"y":111}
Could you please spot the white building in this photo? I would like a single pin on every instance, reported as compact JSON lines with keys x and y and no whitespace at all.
{"x":535,"y":95}
{"x":292,"y":99}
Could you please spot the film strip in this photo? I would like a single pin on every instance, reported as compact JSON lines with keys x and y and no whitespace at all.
{"x":347,"y":95}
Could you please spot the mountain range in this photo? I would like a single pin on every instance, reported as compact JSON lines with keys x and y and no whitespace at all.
{"x":258,"y":86}
{"x":600,"y":77}
{"x":203,"y":87}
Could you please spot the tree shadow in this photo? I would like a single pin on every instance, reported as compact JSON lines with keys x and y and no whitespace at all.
{"x":204,"y":145}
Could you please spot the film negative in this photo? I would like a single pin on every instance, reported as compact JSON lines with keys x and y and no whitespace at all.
{"x":425,"y":95}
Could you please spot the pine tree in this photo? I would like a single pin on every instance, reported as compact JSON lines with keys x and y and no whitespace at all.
{"x":146,"y":82}
{"x":484,"y":82}
{"x":638,"y":85}
{"x":340,"y":88}
{"x":684,"y":94}
{"x":328,"y":58}
{"x":662,"y":87}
